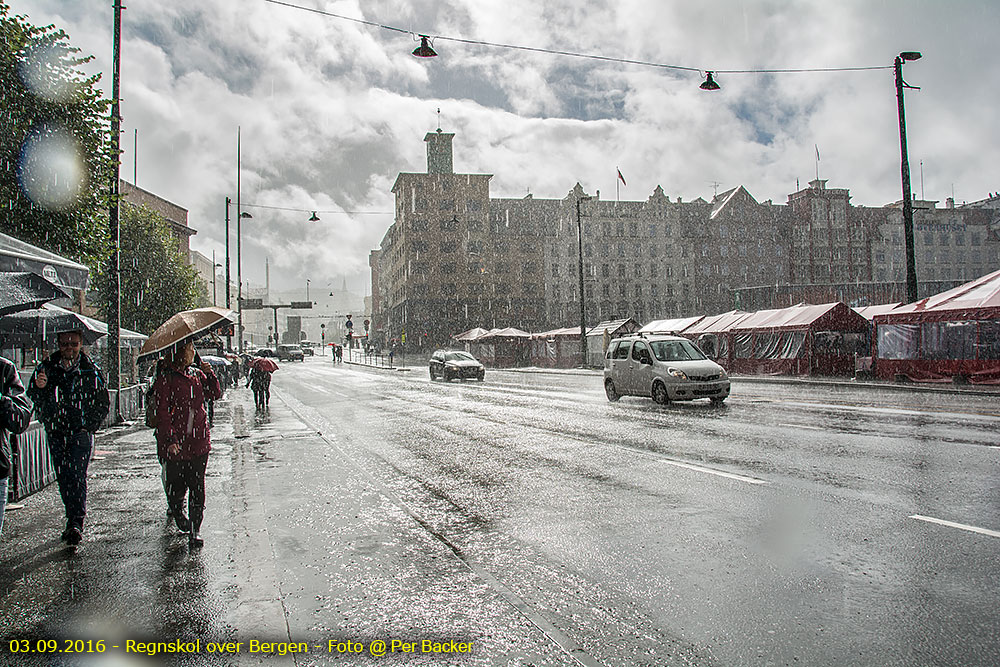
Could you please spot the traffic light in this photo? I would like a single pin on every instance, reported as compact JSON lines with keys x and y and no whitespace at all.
{"x":366,"y":323}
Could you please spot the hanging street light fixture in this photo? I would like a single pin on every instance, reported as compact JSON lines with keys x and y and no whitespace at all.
{"x":424,"y":50}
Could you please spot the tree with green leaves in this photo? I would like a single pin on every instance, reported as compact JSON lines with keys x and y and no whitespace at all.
{"x":156,"y":279}
{"x":54,"y":125}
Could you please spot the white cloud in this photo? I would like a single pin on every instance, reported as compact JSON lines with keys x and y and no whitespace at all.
{"x":331,"y":110}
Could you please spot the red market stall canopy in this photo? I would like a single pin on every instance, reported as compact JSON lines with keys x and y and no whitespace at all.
{"x":799,"y":340}
{"x":558,"y":348}
{"x":953,"y":336}
{"x":674,"y":326}
{"x":471,"y":334}
{"x":869,"y":312}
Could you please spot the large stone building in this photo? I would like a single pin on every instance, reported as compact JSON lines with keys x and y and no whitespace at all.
{"x":455,"y":258}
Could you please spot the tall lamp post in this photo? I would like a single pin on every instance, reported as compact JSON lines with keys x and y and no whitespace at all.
{"x":904,"y":168}
{"x":215,"y":270}
{"x":583,"y":305}
{"x":240,"y":215}
{"x":229,"y":201}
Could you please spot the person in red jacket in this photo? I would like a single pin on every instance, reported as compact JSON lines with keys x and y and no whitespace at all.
{"x":182,"y":435}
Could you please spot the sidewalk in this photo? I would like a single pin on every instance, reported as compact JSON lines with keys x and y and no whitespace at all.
{"x":134,"y":576}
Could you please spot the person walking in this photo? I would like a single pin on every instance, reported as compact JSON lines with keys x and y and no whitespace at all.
{"x":183,"y":441}
{"x":71,"y":400}
{"x":260,"y":381}
{"x":15,"y":415}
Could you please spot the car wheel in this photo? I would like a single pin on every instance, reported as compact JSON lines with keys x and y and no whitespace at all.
{"x":611,"y":391}
{"x":660,"y":393}
{"x":447,"y":376}
{"x":433,"y":375}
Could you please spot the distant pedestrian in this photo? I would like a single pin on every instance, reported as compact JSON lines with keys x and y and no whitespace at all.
{"x":340,"y":354}
{"x":260,"y":381}
{"x":15,"y":415}
{"x":71,"y":400}
{"x":182,"y":435}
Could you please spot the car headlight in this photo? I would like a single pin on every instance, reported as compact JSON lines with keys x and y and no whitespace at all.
{"x":677,"y":373}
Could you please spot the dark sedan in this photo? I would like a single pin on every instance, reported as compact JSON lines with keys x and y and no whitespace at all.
{"x":455,"y":364}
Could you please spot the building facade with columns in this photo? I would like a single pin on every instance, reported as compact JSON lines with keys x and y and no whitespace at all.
{"x":456,"y":258}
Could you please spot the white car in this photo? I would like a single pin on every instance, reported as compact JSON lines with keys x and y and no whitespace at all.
{"x":665,"y":368}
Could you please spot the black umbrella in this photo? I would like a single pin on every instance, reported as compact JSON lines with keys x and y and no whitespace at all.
{"x":41,"y":326}
{"x":22,"y":291}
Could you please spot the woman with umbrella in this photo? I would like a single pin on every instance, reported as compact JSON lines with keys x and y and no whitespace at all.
{"x":260,"y":380}
{"x":180,"y":391}
{"x":182,"y":434}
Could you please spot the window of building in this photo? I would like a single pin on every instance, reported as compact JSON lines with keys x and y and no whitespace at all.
{"x":638,"y":270}
{"x":446,"y":205}
{"x":605,"y":290}
{"x":473,"y":205}
{"x":448,"y":267}
{"x":419,"y":225}
{"x":529,"y":267}
{"x":605,"y":270}
{"x":447,"y":246}
{"x":419,"y":246}
{"x":474,"y":246}
{"x":448,"y":289}
{"x":475,"y":225}
{"x":928,"y":238}
{"x":621,"y":270}
{"x":555,"y":270}
{"x":959,"y":238}
{"x":588,"y":250}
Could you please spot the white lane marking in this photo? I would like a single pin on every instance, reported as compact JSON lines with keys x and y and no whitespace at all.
{"x":811,"y":428}
{"x":710,"y":471}
{"x":960,"y":526}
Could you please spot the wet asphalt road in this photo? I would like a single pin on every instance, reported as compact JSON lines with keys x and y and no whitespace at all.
{"x":795,"y":525}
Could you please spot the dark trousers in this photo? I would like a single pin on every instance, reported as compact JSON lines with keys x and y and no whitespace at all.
{"x":187,"y":478}
{"x":71,"y":456}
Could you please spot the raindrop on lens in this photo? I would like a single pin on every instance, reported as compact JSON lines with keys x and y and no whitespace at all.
{"x":51,"y":171}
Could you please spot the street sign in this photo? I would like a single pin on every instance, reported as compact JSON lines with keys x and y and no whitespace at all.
{"x":302,"y":304}
{"x":253,"y":304}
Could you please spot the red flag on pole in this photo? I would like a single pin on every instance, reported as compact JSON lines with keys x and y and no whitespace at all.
{"x":620,"y":177}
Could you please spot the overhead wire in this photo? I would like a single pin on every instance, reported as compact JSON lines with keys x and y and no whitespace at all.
{"x":589,"y":56}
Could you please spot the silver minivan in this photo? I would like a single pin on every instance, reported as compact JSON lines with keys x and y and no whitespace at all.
{"x":665,"y":368}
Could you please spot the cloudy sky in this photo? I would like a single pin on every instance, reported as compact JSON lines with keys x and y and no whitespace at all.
{"x":330,"y":110}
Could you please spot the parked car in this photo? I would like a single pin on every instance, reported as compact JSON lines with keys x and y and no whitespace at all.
{"x":265,"y":352}
{"x":665,"y":368}
{"x":290,"y":353}
{"x":308,"y":347}
{"x":455,"y":364}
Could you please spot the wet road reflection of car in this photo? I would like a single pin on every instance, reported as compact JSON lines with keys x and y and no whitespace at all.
{"x":455,"y":364}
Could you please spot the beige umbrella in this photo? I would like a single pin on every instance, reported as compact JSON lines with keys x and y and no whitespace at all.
{"x":186,"y":325}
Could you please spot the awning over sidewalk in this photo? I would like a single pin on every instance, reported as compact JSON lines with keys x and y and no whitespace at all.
{"x":16,"y":255}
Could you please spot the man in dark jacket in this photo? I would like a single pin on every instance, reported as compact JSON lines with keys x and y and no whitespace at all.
{"x":15,"y":415}
{"x":71,"y":400}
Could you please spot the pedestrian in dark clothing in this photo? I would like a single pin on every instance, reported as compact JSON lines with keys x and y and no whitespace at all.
{"x":260,"y":381}
{"x":15,"y":415}
{"x":71,"y":400}
{"x":182,"y":436}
